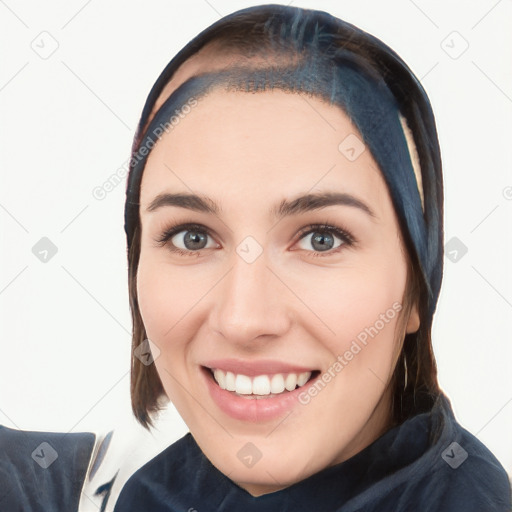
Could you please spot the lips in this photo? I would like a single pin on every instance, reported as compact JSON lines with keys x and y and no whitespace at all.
{"x":256,"y":391}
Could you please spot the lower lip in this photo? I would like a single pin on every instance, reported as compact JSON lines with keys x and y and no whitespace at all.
{"x":254,"y":410}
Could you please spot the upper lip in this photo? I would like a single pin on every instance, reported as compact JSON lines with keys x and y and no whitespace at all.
{"x":253,"y":368}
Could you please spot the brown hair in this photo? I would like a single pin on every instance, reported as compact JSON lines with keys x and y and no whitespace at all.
{"x":247,"y":34}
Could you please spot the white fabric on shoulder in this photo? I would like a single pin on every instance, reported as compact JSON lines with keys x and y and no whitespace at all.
{"x":120,"y":453}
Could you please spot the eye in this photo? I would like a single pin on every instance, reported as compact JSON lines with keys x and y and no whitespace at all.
{"x":324,"y":239}
{"x":187,"y":239}
{"x":191,"y":239}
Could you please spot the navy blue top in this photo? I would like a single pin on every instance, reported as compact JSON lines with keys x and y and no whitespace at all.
{"x":428,"y":463}
{"x":42,"y":471}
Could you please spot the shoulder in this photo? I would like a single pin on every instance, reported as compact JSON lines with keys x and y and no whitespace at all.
{"x":43,"y":469}
{"x":473,"y":475}
{"x":159,"y":477}
{"x":461,"y":473}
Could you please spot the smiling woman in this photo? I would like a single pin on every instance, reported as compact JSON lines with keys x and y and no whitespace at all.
{"x":278,"y":314}
{"x":284,"y":229}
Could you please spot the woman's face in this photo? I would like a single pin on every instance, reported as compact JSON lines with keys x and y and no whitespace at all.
{"x":253,"y":292}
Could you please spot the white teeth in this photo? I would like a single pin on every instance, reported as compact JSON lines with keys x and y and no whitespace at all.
{"x":261,"y":384}
{"x":230,"y":381}
{"x":277,"y":383}
{"x":243,"y":385}
{"x":303,"y":378}
{"x":291,"y":381}
{"x":220,"y":377}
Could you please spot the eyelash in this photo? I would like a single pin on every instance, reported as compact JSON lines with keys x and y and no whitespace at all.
{"x":346,"y":238}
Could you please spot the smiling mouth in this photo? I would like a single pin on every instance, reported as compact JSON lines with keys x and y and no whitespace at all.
{"x":260,"y":386}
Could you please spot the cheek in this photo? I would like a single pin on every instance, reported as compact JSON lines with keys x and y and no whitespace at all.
{"x":161,"y":302}
{"x":160,"y":296}
{"x":152,"y":299}
{"x":169,"y":298}
{"x":363,"y":305}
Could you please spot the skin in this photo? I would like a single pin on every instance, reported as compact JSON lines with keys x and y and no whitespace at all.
{"x":248,"y":152}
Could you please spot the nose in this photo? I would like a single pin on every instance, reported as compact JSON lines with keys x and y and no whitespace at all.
{"x":251,"y":304}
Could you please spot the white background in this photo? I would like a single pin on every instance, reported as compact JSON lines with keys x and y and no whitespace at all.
{"x":67,"y":123}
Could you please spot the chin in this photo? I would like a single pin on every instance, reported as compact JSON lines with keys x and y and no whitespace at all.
{"x":262,"y":469}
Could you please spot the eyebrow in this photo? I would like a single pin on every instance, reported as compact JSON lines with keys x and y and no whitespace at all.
{"x":286,"y":207}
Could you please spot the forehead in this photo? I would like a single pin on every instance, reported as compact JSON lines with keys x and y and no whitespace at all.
{"x":238,"y":144}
